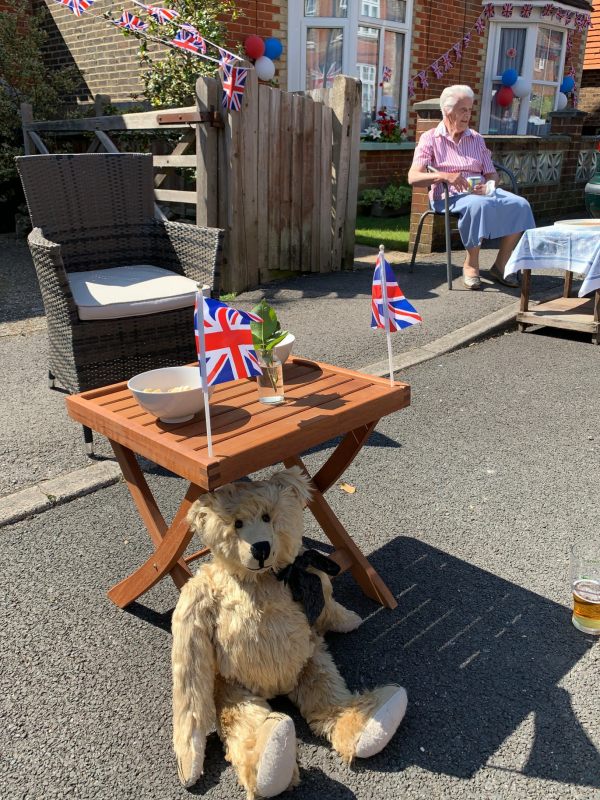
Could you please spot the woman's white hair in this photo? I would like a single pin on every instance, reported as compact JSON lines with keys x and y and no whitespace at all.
{"x":452,"y":94}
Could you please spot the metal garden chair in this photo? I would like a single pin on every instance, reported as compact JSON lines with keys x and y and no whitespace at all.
{"x":513,"y":187}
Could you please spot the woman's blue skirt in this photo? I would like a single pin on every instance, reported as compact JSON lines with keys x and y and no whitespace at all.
{"x":482,"y":217}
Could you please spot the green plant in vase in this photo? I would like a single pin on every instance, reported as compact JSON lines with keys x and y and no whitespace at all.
{"x":265,"y":336}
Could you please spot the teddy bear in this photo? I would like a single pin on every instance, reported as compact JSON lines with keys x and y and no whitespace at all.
{"x":248,"y":626}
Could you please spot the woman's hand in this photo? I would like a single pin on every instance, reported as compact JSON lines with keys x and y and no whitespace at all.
{"x":455,"y":179}
{"x":481,"y":188}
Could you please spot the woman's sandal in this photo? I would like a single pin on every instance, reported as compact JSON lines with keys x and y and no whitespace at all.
{"x":511,"y":281}
{"x":472,"y":282}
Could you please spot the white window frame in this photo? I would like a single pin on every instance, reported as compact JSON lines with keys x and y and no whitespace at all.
{"x":494,"y":40}
{"x":298,"y":23}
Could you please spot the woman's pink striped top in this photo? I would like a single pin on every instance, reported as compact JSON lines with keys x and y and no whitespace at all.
{"x":436,"y":148}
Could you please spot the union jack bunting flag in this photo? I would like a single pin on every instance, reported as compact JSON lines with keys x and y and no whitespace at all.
{"x":192,"y":42}
{"x":400,"y":313}
{"x":387,"y":74}
{"x":234,"y":86}
{"x":161,"y":15}
{"x":228,"y":346}
{"x":130,"y":22}
{"x":507,"y":10}
{"x":78,"y":7}
{"x":200,"y":43}
{"x":526,"y":10}
{"x":225,"y":57}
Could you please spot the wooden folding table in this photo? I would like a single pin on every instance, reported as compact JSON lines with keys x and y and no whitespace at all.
{"x":322,"y":402}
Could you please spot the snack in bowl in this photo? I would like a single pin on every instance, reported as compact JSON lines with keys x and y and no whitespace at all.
{"x":173,"y":394}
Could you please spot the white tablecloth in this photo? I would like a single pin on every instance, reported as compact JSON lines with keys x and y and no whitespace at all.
{"x":555,"y":247}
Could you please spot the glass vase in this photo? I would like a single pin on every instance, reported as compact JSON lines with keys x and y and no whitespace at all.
{"x":270,"y":383}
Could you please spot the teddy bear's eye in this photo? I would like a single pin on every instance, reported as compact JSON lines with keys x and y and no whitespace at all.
{"x":238,"y":523}
{"x":266,"y":518}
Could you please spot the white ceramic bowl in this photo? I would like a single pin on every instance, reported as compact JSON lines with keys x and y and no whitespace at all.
{"x":169,"y":406}
{"x":284,"y":348}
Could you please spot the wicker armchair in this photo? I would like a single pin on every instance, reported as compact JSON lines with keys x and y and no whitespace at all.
{"x":95,"y":212}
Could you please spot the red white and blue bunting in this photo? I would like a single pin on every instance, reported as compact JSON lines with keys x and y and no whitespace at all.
{"x":186,"y":39}
{"x":443,"y":64}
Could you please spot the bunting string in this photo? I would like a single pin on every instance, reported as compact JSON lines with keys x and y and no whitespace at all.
{"x":443,"y":63}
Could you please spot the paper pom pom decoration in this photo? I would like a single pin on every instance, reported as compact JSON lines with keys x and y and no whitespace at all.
{"x":265,"y":68}
{"x":521,"y":87}
{"x":509,"y":76}
{"x":567,"y":85}
{"x":561,"y":101}
{"x":254,"y":46}
{"x":504,"y":96}
{"x":273,"y":48}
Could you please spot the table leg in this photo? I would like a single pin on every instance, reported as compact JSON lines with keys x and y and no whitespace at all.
{"x":568,"y":284}
{"x":524,"y":302}
{"x":362,"y":571}
{"x":596,"y":335}
{"x":170,"y":542}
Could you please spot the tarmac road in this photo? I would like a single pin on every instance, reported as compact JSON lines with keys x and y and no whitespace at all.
{"x":466,"y":502}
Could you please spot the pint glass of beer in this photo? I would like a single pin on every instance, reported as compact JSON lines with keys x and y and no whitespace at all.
{"x":585,"y":585}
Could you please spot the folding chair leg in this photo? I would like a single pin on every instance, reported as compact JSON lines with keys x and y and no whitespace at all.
{"x":422,"y":219}
{"x":448,"y":245}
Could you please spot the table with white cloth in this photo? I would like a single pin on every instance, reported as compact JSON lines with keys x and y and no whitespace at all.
{"x":572,"y":246}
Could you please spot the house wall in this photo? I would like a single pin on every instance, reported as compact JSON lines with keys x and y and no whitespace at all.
{"x":589,"y":96}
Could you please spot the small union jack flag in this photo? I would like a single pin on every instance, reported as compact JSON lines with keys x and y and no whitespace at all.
{"x":130,"y":22}
{"x":480,"y":25}
{"x":387,"y":74}
{"x":446,"y":61}
{"x":400,"y":313}
{"x":526,"y":10}
{"x":160,"y":14}
{"x":548,"y":10}
{"x":78,"y":7}
{"x":458,"y":50}
{"x":234,"y":86}
{"x":226,"y":342}
{"x":466,"y":40}
{"x":422,"y":76}
{"x":411,"y":88}
{"x":192,"y":42}
{"x":488,"y":10}
{"x":436,"y":69}
{"x":322,"y":80}
{"x":507,"y":10}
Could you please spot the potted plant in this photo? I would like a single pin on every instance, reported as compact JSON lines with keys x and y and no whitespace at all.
{"x":366,"y":199}
{"x":395,"y":201}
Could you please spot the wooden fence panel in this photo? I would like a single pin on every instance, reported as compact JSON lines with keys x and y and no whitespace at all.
{"x":280,"y":177}
{"x":285,"y":153}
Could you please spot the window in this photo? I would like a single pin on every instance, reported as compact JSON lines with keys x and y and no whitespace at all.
{"x":360,"y":38}
{"x":537,"y":52}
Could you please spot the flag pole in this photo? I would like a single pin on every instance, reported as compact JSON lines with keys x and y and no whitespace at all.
{"x":202,"y":364}
{"x":386,"y":310}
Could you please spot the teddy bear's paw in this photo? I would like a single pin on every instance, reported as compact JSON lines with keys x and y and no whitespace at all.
{"x":345,"y":621}
{"x":190,"y":762}
{"x":383,"y":722}
{"x":276,"y":744}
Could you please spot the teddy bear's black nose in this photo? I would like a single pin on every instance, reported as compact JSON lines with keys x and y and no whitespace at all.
{"x":260,"y":551}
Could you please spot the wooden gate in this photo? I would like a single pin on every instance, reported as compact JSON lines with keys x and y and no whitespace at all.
{"x":281,"y":177}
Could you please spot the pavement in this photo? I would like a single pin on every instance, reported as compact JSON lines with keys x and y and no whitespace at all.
{"x":466,"y":502}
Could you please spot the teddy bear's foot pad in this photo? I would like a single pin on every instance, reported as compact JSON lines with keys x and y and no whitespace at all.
{"x":383,"y":723}
{"x":189,"y":765}
{"x":276,"y":743}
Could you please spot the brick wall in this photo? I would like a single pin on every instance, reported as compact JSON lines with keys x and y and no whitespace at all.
{"x":437,"y":26}
{"x":107,"y":61}
{"x":377,"y":168}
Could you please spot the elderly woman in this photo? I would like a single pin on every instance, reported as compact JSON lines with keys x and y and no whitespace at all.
{"x":457,"y":152}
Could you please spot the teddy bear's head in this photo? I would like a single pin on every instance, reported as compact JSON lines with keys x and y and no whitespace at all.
{"x":254,"y":526}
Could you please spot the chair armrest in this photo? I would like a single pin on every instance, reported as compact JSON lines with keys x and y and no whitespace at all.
{"x":197,"y":252}
{"x":511,"y":176}
{"x":52,"y":277}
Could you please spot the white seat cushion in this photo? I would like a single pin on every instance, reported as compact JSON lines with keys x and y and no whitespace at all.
{"x":131,"y":291}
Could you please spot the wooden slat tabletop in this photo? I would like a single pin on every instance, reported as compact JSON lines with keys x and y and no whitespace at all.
{"x":321,"y":402}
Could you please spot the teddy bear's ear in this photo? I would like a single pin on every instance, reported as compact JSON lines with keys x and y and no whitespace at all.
{"x":199,"y":511}
{"x":295,"y":479}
